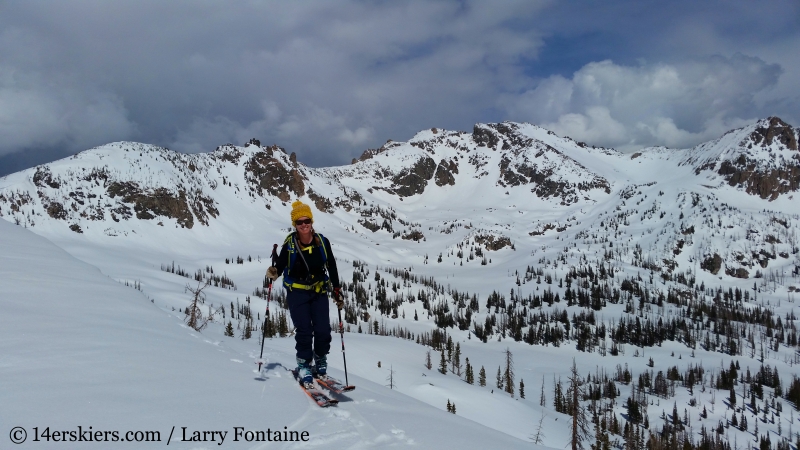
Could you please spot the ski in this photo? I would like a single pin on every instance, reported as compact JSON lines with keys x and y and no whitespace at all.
{"x":319,"y":398}
{"x":315,"y":394}
{"x":334,"y":385}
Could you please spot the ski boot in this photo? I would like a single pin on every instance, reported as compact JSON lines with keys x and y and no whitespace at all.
{"x":321,"y":366}
{"x":304,"y":373}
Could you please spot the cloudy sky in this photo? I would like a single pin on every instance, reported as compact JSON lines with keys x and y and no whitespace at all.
{"x":330,"y":79}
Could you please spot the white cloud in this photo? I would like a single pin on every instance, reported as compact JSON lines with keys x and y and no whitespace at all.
{"x":628,"y":107}
{"x":594,"y":125}
{"x":355,"y":137}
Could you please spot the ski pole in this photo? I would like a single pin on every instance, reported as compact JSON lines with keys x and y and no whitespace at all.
{"x":341,"y":331}
{"x":264,"y":329}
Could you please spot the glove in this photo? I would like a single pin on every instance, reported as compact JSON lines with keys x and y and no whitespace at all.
{"x":272,"y":273}
{"x":337,"y":297}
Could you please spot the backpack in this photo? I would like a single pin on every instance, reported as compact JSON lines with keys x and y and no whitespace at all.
{"x":290,"y":282}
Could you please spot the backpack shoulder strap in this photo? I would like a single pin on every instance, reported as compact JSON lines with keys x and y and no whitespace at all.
{"x":292,"y":253}
{"x":321,"y":243}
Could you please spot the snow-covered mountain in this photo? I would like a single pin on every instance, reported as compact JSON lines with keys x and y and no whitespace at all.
{"x":509,"y":237}
{"x":457,"y":178}
{"x":761,"y":158}
{"x":123,"y":181}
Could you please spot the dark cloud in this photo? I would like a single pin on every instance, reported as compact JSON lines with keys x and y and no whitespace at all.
{"x":330,"y":79}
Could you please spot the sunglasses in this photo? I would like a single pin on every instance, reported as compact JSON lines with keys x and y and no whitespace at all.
{"x":302,"y":222}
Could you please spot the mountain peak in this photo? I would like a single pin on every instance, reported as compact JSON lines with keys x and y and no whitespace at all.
{"x":773,"y":129}
{"x":762,"y":158}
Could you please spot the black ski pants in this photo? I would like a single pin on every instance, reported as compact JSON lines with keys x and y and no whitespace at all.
{"x":310,"y":314}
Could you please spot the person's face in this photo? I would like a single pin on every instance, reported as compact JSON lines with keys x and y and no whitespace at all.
{"x":303,"y":224}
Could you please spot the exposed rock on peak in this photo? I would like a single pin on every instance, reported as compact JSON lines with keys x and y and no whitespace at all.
{"x":484,"y":136}
{"x":228,"y":153}
{"x":413,"y":180}
{"x":491,"y":135}
{"x":762,"y":158}
{"x":368,"y":154}
{"x":444,"y":173}
{"x":161,"y":202}
{"x":266,"y":172}
{"x":44,"y":176}
{"x":774,"y":129}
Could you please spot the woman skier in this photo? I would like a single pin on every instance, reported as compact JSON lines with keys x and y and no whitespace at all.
{"x":308,"y":266}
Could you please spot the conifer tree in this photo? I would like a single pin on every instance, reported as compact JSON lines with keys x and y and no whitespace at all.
{"x":600,"y":437}
{"x":521,"y":388}
{"x":558,"y":400}
{"x":449,"y":348}
{"x":229,"y":329}
{"x":482,"y":377}
{"x":428,"y":362}
{"x":283,"y":327}
{"x":499,"y":380}
{"x":443,"y":364}
{"x":456,"y":362}
{"x":508,"y":375}
{"x":676,"y":421}
{"x":470,"y":377}
{"x":390,"y":378}
{"x":542,"y":399}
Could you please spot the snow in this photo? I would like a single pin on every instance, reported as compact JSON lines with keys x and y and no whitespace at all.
{"x":79,"y":349}
{"x":81,"y":346}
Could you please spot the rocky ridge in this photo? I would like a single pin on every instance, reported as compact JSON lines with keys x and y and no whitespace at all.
{"x":762,"y":159}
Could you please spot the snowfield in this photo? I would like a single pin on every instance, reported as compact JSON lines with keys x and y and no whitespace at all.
{"x":82,"y":350}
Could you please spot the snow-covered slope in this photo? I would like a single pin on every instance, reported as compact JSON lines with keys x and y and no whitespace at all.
{"x":82,"y":354}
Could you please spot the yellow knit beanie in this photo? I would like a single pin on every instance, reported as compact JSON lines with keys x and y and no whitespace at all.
{"x":300,"y":209}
